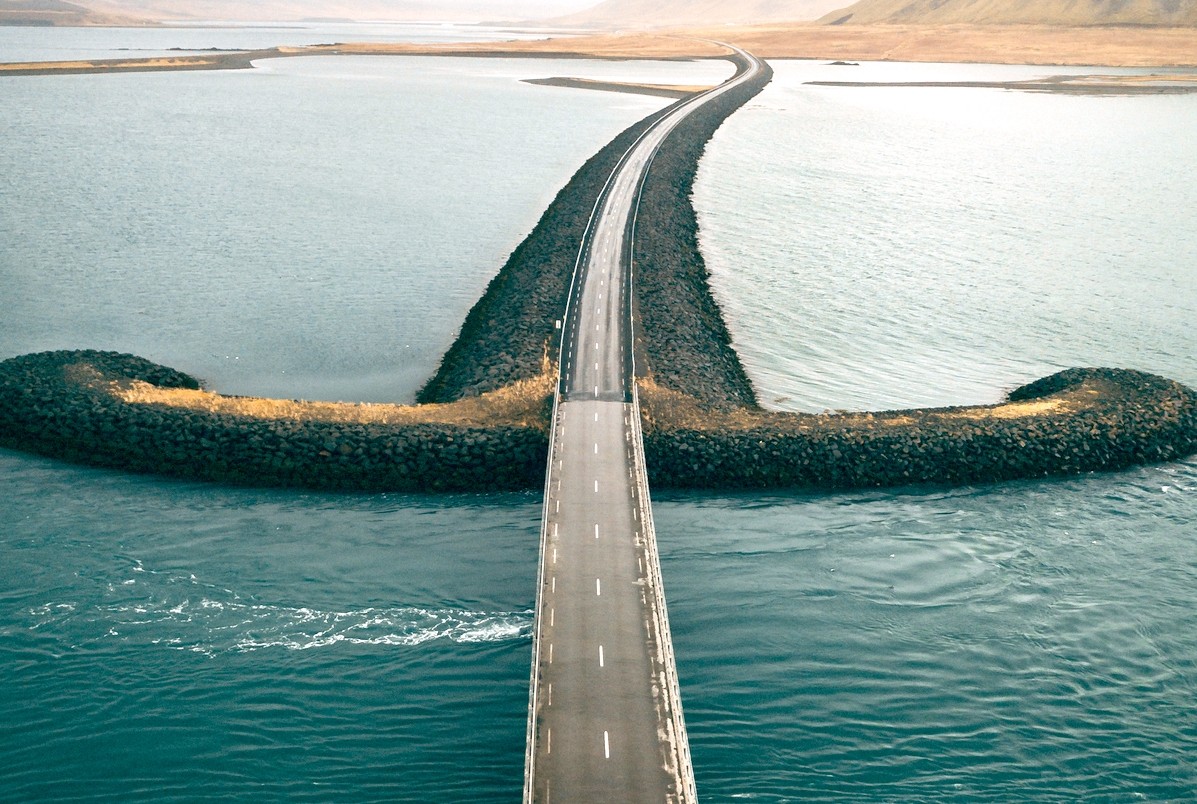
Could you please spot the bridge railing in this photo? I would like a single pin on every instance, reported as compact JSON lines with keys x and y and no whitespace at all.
{"x":676,"y":722}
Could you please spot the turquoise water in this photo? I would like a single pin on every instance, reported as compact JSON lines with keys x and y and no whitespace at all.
{"x":174,"y":641}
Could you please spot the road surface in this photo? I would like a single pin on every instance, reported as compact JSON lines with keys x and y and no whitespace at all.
{"x":605,"y":721}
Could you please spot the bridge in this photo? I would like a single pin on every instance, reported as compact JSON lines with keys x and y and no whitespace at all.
{"x":604,"y":717}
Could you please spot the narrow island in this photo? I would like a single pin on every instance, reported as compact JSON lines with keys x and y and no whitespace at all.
{"x":481,"y":423}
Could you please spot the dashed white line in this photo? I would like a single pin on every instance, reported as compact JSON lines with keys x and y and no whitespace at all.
{"x":596,"y":449}
{"x":596,"y":530}
{"x":601,"y":656}
{"x":552,"y":617}
{"x":606,"y":744}
{"x":596,"y":487}
{"x":598,"y":587}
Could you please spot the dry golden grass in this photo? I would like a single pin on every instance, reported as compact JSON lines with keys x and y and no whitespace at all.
{"x":993,"y":44}
{"x":997,"y":44}
{"x":116,"y":65}
{"x":666,"y":409}
{"x":606,"y":46}
{"x":522,"y":404}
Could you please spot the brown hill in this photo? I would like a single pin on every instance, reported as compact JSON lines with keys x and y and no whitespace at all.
{"x":294,"y":10}
{"x":1018,"y":12}
{"x":661,"y":13}
{"x":58,"y":13}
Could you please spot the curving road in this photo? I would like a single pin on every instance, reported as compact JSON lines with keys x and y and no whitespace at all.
{"x":605,"y":720}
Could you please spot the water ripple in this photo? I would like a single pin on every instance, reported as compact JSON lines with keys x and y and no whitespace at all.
{"x":212,"y":625}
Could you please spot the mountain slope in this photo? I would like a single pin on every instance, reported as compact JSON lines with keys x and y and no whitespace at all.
{"x":1039,"y":12}
{"x":57,"y":13}
{"x":284,"y":10}
{"x":647,"y":13}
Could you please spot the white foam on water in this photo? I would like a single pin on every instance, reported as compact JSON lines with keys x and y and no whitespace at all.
{"x":213,"y":626}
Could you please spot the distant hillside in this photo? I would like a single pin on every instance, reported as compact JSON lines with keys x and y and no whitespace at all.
{"x":661,"y":13}
{"x":1040,"y":12}
{"x":86,"y":11}
{"x":57,"y":13}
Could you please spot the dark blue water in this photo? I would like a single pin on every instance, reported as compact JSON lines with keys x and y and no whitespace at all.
{"x":185,"y":642}
{"x":173,"y":641}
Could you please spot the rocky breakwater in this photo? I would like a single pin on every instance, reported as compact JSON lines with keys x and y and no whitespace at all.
{"x":512,"y":329}
{"x":120,"y":411}
{"x":682,"y":341}
{"x":681,"y":337}
{"x":1080,"y":420}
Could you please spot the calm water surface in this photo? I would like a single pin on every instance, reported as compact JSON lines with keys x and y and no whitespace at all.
{"x":65,"y":44}
{"x":172,"y":641}
{"x":908,"y":247}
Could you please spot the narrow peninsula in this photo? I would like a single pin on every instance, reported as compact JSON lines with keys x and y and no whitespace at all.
{"x":481,"y":423}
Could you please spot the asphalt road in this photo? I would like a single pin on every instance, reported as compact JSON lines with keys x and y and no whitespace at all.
{"x":605,"y":722}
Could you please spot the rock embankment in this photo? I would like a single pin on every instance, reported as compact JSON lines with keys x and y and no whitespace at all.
{"x":1080,"y":420}
{"x":682,"y":341}
{"x":65,"y":405}
{"x":512,"y":329}
{"x":681,"y":337}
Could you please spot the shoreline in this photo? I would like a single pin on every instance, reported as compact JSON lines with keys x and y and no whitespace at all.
{"x":1039,"y":45}
{"x":1063,"y":85}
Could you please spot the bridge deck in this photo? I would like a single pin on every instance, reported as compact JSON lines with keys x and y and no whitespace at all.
{"x":603,"y":711}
